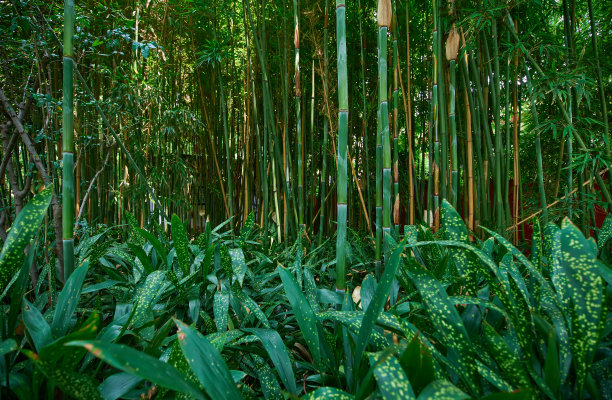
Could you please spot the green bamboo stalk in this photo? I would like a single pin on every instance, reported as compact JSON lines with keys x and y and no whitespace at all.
{"x":436,"y":124}
{"x":384,"y":16}
{"x":602,"y":93}
{"x":364,"y":116}
{"x":396,"y":195}
{"x":442,"y":114}
{"x":342,"y":146}
{"x":325,"y":130}
{"x":452,"y":46}
{"x":538,"y":146}
{"x":298,"y":115}
{"x":499,"y":201}
{"x":312,"y":174}
{"x":68,"y":142}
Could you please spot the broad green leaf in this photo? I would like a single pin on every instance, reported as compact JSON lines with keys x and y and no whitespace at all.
{"x":238,"y":264}
{"x":78,"y":386}
{"x":605,"y":233}
{"x":417,"y":362}
{"x":157,"y":245}
{"x":68,"y":300}
{"x":207,"y":364}
{"x":269,"y":384}
{"x":117,"y":385}
{"x":139,"y":364}
{"x":179,"y":237}
{"x":375,"y":307}
{"x":145,"y":295}
{"x":442,"y":390}
{"x":305,"y":316}
{"x":142,"y":257}
{"x":21,"y":233}
{"x":135,"y":235}
{"x":7,"y":346}
{"x":585,"y":287}
{"x":391,"y":379}
{"x":454,"y":229}
{"x":37,"y":326}
{"x":445,"y":318}
{"x":220,"y":309}
{"x":507,"y":358}
{"x":492,"y":377}
{"x":328,"y":393}
{"x":250,"y":304}
{"x":277,"y":351}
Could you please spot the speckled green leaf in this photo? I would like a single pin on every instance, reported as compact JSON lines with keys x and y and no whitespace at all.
{"x":454,"y":229}
{"x":269,"y":384}
{"x":21,"y":233}
{"x":69,"y":357}
{"x":139,"y":364}
{"x":207,"y":364}
{"x":327,"y":393}
{"x":238,"y":264}
{"x":277,"y":351}
{"x":585,"y":287}
{"x":442,"y":390}
{"x":135,"y":235}
{"x":177,"y":360}
{"x":305,"y":316}
{"x":605,"y":233}
{"x":507,"y":358}
{"x":536,"y":243}
{"x":391,"y":379}
{"x":446,"y":319}
{"x":220,"y":309}
{"x":77,"y":386}
{"x":352,"y":321}
{"x":252,"y":307}
{"x":375,"y":307}
{"x":492,"y":377}
{"x":68,"y":300}
{"x":226,"y":261}
{"x":247,"y":228}
{"x":145,"y":295}
{"x":179,"y":238}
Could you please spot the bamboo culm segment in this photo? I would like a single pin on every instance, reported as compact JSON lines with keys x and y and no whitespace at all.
{"x":68,"y":142}
{"x":342,"y":146}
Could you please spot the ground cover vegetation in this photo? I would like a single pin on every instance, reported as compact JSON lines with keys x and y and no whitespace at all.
{"x":425,"y":218}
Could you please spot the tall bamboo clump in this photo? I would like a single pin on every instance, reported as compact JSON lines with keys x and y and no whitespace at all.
{"x":300,"y":162}
{"x":342,"y":145}
{"x":68,"y":142}
{"x":384,"y":21}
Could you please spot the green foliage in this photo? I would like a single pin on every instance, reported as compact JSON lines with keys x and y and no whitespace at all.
{"x":528,"y":328}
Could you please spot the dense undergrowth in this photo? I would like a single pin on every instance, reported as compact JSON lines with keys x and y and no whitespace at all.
{"x":221,"y":316}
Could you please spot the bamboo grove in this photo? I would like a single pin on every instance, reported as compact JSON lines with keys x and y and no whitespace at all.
{"x":200,"y":109}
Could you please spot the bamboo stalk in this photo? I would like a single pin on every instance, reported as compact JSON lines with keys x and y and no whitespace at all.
{"x":68,"y":142}
{"x":341,"y":185}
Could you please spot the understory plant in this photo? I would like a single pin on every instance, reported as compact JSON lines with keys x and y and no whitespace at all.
{"x":221,"y":316}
